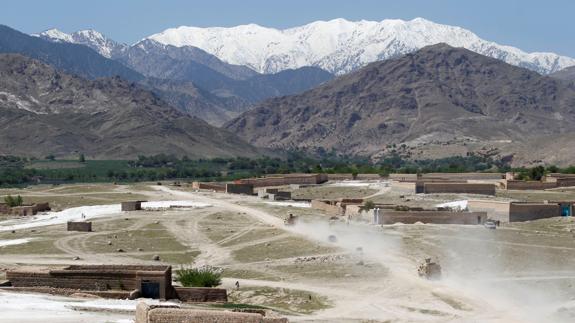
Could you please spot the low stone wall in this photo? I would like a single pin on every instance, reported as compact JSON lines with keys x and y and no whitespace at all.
{"x":528,"y":185}
{"x":201,"y":295}
{"x":436,"y":217}
{"x":404,"y":177}
{"x":171,"y":314}
{"x":459,"y":188}
{"x":532,"y":211}
{"x":247,"y":189}
{"x":79,"y":226}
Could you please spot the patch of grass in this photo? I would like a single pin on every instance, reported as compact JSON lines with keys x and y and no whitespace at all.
{"x":205,"y":276}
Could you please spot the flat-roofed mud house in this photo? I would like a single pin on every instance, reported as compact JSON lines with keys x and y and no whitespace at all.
{"x":79,"y":226}
{"x":112,"y":281}
{"x":132,"y":205}
{"x":521,"y":211}
{"x":30,"y":209}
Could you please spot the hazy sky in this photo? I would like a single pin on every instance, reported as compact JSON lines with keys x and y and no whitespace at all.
{"x":545,"y":25}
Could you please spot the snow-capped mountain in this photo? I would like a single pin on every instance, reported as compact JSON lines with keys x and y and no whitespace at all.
{"x":341,"y":46}
{"x":91,"y":38}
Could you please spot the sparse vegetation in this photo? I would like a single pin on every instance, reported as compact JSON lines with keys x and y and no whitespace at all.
{"x":205,"y":276}
{"x":13,"y":201}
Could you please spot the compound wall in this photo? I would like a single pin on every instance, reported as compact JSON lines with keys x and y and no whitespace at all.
{"x":79,"y":226}
{"x":437,"y":217}
{"x":459,"y":188}
{"x":247,"y":189}
{"x":532,"y":211}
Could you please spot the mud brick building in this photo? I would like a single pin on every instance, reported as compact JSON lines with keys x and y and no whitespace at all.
{"x":247,"y":189}
{"x":132,"y":205}
{"x":79,"y":226}
{"x":26,"y":210}
{"x":521,"y":211}
{"x":116,"y":281}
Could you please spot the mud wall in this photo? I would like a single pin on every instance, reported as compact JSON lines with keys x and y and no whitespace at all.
{"x":247,"y":189}
{"x":459,"y":188}
{"x":529,"y":185}
{"x":199,"y":294}
{"x":79,"y":226}
{"x":285,"y":180}
{"x":496,"y":210}
{"x":437,"y":217}
{"x":166,"y":314}
{"x":531,"y":211}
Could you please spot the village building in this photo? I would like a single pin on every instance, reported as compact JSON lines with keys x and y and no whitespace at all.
{"x":111,"y":281}
{"x":505,"y":211}
{"x":284,"y":179}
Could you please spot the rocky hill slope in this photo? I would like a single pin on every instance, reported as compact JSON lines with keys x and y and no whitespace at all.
{"x":438,"y":101}
{"x":44,"y":111}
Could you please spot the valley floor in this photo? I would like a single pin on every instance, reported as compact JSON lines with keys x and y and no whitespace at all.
{"x":517,"y":273}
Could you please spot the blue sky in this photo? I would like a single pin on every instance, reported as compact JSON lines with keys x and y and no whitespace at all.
{"x":528,"y":24}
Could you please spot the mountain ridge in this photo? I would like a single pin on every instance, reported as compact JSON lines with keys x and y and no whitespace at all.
{"x":438,"y":101}
{"x":340,"y":46}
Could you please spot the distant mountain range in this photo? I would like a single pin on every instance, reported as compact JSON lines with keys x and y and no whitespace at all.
{"x":44,"y":111}
{"x":340,"y":46}
{"x":228,"y":89}
{"x":439,"y":101}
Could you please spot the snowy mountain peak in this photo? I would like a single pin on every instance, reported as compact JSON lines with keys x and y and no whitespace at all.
{"x":55,"y":35}
{"x":88,"y":37}
{"x":340,"y":46}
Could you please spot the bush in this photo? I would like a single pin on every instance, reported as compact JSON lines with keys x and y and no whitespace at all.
{"x":205,"y":276}
{"x":13,"y":201}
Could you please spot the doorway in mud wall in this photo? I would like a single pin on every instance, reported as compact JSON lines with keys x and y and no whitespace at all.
{"x":150,"y":289}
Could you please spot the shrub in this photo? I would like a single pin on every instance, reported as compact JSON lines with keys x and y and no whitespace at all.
{"x":367,"y":205}
{"x":205,"y":276}
{"x":13,"y":201}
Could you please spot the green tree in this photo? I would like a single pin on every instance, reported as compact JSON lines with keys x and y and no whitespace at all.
{"x":13,"y":201}
{"x":367,"y":205}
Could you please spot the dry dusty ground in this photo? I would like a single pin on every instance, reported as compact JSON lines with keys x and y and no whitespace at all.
{"x":517,"y":273}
